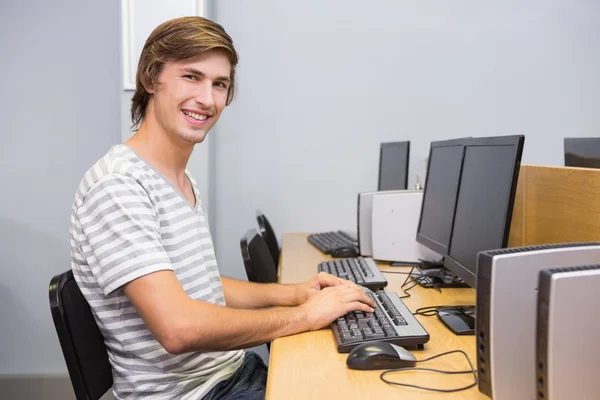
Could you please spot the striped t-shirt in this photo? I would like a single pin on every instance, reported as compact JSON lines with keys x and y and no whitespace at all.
{"x":127,"y":222}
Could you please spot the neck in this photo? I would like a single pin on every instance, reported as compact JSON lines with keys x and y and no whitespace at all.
{"x":163,"y":152}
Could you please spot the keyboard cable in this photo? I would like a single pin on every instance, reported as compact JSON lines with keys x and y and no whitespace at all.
{"x":416,"y":279}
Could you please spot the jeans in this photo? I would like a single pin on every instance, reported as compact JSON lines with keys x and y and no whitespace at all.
{"x":249,"y":382}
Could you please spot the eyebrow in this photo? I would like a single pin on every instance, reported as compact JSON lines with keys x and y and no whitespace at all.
{"x":200,"y":73}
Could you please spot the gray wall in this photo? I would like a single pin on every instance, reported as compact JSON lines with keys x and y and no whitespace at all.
{"x":322,"y":83}
{"x":59,"y":112}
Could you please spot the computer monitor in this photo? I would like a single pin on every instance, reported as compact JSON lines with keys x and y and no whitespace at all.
{"x":582,"y":152}
{"x":393,"y":166}
{"x":484,"y":204}
{"x":439,"y":196}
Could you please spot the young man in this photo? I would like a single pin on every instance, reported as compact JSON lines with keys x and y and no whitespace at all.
{"x":142,"y":252}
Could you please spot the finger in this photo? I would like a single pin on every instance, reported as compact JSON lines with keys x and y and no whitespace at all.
{"x":367,"y":300}
{"x":353,"y":285}
{"x":351,"y":294}
{"x":358,"y":306}
{"x":326,"y":279}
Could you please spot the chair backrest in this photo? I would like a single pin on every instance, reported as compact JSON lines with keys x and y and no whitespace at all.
{"x":80,"y":339}
{"x":257,"y":258}
{"x":266,"y":230}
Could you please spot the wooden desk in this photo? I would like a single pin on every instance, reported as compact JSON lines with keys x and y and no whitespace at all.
{"x":308,"y":366}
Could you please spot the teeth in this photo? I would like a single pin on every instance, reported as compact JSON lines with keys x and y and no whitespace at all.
{"x":195,"y":116}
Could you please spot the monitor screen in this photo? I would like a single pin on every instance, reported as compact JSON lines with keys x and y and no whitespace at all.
{"x":485,"y":201}
{"x":393,"y":166}
{"x":582,"y":152}
{"x":439,"y":197}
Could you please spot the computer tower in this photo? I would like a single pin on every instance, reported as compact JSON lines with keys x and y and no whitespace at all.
{"x":394,"y":222}
{"x":364,"y":207}
{"x":364,"y":210}
{"x":507,"y":284}
{"x":568,"y":330}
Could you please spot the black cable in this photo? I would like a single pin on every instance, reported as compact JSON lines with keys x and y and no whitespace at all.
{"x":427,"y":311}
{"x":384,"y":373}
{"x":406,"y":294}
{"x":416,"y":279}
{"x":409,"y":275}
{"x":427,"y":279}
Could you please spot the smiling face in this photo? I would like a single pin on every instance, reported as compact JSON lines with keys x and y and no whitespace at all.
{"x":189,"y":96}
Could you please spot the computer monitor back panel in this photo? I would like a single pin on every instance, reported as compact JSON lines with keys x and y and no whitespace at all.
{"x":364,"y":211}
{"x":582,"y":152}
{"x":485,"y":201}
{"x":568,"y":352}
{"x":395,"y":217}
{"x":393,"y":166}
{"x":507,"y":282}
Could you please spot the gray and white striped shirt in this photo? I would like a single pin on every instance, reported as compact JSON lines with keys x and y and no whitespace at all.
{"x":127,"y":222}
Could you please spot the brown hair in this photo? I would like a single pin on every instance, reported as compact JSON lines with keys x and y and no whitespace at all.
{"x":176,"y":40}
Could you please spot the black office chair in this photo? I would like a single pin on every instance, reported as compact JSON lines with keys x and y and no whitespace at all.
{"x":257,"y":258}
{"x":80,"y":339}
{"x":266,"y":230}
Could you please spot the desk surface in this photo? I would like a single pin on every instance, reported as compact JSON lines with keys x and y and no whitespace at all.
{"x":308,"y":366}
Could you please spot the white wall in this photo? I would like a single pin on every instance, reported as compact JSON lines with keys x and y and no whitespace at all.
{"x":322,"y":83}
{"x":59,"y":112}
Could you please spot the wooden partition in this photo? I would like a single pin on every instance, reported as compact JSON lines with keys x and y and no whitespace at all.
{"x":556,"y":205}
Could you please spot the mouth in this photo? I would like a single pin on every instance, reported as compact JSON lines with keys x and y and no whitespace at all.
{"x":195,"y":118}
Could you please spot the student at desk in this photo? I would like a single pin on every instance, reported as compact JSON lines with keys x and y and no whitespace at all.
{"x":141,"y":249}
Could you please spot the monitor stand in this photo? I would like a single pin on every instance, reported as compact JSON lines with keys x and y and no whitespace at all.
{"x":437,"y":278}
{"x":459,"y":319}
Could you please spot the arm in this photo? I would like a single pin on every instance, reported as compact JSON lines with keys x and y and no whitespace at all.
{"x":182,"y":324}
{"x":241,"y":294}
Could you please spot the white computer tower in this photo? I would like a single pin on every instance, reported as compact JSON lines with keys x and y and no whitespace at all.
{"x":507,"y":285}
{"x":394,"y":222}
{"x":364,"y":211}
{"x":568,"y":331}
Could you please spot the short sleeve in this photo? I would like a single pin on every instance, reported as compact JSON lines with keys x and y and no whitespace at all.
{"x":120,"y":232}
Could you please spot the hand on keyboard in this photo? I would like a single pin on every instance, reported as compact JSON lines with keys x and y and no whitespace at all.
{"x":306,"y":290}
{"x":333,"y":302}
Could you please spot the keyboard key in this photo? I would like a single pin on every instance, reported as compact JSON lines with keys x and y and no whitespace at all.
{"x":363,"y":324}
{"x":375,"y":336}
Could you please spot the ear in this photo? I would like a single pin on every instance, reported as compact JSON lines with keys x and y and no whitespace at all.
{"x":148,"y":88}
{"x":146,"y":84}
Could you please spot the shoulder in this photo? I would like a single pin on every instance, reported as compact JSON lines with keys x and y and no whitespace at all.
{"x":117,"y":171}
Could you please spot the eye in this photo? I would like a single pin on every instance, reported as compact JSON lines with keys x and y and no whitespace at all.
{"x":190,"y":77}
{"x":221,"y":85}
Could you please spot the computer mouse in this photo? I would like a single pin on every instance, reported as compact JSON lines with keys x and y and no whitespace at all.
{"x":344,"y":252}
{"x":380,"y":355}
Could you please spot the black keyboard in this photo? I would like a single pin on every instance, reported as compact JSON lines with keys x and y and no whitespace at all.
{"x":362,"y":271}
{"x":326,"y":242}
{"x":391,"y":322}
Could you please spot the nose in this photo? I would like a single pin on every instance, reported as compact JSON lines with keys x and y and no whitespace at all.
{"x":204,"y":94}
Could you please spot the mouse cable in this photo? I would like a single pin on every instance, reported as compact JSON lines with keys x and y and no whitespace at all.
{"x":471,"y":371}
